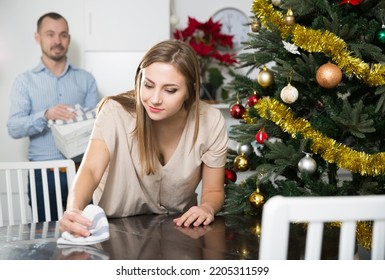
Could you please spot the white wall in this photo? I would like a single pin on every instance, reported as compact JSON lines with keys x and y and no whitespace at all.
{"x":19,"y":52}
{"x":203,"y":9}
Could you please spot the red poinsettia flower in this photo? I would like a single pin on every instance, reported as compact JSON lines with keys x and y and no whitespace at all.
{"x":206,"y":39}
{"x":214,"y":49}
{"x":351,"y":2}
{"x":225,"y":58}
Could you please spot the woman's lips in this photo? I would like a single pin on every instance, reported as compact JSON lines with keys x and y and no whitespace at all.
{"x":154,"y":109}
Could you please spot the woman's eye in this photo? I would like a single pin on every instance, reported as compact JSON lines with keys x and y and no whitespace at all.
{"x":147,"y":85}
{"x":171,"y":90}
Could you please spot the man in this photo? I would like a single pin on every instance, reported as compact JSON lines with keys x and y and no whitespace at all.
{"x":48,"y":92}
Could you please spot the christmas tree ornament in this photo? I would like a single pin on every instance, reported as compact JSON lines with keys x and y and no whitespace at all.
{"x":237,"y":111}
{"x":246,"y":149}
{"x":291,"y":48}
{"x":329,"y":75}
{"x":255,"y":25}
{"x":380,"y":35}
{"x":261,"y":136}
{"x":241,"y":163}
{"x":257,"y":199}
{"x":289,"y":94}
{"x":350,"y":2}
{"x":265,"y":77}
{"x":252,"y":100}
{"x":256,"y":230}
{"x":276,"y":2}
{"x":230,"y":176}
{"x":289,"y":18}
{"x":244,"y":252}
{"x":307,"y":164}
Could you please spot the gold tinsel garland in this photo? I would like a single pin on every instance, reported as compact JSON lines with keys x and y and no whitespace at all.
{"x":322,"y":42}
{"x":328,"y":149}
{"x":363,"y":232}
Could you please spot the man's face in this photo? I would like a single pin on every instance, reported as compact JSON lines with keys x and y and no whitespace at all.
{"x":53,"y":38}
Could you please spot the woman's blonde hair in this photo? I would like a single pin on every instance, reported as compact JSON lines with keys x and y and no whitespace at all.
{"x":183,"y":58}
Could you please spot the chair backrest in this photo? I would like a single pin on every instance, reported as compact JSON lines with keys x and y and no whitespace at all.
{"x":279,"y":212}
{"x":13,"y":189}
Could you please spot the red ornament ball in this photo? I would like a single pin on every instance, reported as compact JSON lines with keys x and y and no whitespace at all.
{"x":230,"y":175}
{"x":237,"y":111}
{"x":252,"y":100}
{"x":261,"y":136}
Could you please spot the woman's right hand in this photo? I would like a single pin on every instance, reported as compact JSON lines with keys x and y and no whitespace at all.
{"x":76,"y":224}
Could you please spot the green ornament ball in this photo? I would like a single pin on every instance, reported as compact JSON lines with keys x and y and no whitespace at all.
{"x":380,"y":36}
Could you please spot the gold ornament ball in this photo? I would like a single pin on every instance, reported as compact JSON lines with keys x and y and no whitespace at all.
{"x":265,"y":77}
{"x":329,"y":75}
{"x":289,"y":18}
{"x":256,"y":199}
{"x":289,"y":94}
{"x":255,"y":25}
{"x":241,"y":163}
{"x":256,"y":230}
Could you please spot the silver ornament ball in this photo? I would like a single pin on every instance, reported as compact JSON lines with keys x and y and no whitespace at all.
{"x":246,"y":149}
{"x":307,"y":165}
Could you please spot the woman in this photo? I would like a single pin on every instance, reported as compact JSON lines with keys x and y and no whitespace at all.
{"x":150,"y":148}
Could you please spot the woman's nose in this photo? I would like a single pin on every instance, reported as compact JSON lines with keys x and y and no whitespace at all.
{"x":156,"y":99}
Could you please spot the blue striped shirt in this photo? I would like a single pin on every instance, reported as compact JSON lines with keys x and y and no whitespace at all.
{"x":37,"y":90}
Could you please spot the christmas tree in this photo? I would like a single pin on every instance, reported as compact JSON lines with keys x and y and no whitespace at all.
{"x":311,"y":107}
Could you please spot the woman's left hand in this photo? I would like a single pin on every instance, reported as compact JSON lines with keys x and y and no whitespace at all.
{"x":195,"y":216}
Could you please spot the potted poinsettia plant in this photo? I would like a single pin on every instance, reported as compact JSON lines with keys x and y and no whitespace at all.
{"x":213,"y":49}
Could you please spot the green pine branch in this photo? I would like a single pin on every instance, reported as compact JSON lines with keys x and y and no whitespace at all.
{"x":353,"y":120}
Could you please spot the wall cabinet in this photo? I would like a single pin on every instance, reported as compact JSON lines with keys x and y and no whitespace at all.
{"x":121,"y":25}
{"x":117,"y":34}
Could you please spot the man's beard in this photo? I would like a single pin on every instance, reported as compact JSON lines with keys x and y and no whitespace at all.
{"x":57,"y":57}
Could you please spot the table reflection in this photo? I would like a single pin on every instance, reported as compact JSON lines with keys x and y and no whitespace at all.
{"x":155,"y":237}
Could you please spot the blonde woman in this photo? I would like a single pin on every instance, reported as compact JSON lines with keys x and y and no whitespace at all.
{"x":151,"y":147}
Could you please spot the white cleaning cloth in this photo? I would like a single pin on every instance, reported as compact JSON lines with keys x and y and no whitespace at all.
{"x":99,"y":229}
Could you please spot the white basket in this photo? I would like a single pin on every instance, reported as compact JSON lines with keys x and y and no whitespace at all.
{"x":72,"y":139}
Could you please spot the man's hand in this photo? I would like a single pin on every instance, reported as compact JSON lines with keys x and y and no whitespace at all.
{"x":60,"y":112}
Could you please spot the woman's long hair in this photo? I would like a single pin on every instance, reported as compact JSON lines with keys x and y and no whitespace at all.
{"x":183,"y":58}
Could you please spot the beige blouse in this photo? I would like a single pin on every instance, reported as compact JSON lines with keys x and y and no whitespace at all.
{"x":123,"y":192}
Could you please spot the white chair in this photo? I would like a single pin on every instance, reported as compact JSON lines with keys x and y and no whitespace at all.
{"x":279,"y":212}
{"x":13,"y":188}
